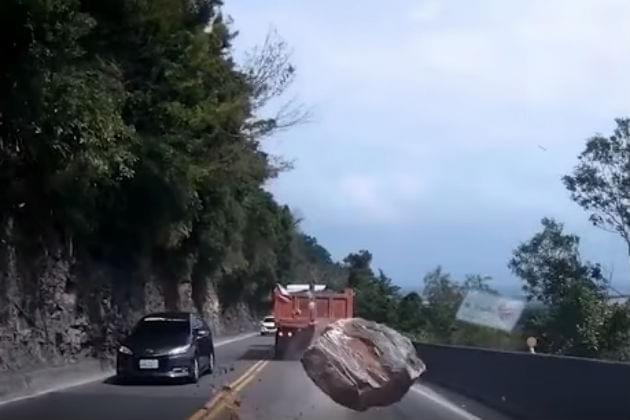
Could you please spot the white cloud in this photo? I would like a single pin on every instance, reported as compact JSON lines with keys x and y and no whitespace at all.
{"x":430,"y":112}
{"x":425,"y":11}
{"x":385,"y":199}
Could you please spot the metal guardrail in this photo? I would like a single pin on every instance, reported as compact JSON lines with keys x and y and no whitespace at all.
{"x":532,"y":386}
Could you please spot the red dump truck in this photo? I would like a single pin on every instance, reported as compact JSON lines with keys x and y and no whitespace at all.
{"x":298,"y":308}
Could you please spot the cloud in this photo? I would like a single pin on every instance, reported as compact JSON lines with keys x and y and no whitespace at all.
{"x":539,"y":54}
{"x":428,"y":116}
{"x":425,"y":11}
{"x":379,"y":200}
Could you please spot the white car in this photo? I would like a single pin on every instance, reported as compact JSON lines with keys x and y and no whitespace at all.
{"x":268,"y":325}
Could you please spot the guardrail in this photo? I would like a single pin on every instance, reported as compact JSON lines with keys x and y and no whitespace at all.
{"x":532,"y":386}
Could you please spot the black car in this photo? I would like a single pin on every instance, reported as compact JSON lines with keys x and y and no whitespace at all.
{"x":167,"y":345}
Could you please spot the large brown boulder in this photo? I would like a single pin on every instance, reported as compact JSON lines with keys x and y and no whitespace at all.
{"x":362,"y":364}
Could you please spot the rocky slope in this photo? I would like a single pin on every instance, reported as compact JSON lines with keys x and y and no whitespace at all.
{"x":57,"y":307}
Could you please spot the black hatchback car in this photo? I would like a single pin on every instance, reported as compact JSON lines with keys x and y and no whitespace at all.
{"x":167,"y":345}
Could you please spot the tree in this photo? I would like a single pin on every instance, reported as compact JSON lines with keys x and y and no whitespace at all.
{"x":270,"y":73}
{"x":479,"y":282}
{"x":616,"y":333}
{"x":410,"y":313}
{"x":311,"y":261}
{"x":600,"y":183}
{"x":443,"y":297}
{"x":576,"y":317}
{"x":128,"y":128}
{"x":550,"y":264}
{"x":358,"y":265}
{"x":376,"y":296}
{"x":63,"y":140}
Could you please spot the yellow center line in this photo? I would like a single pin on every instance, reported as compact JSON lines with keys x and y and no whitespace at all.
{"x":248,"y":372}
{"x":213,"y":411}
{"x":247,"y":380}
{"x":214,"y":406}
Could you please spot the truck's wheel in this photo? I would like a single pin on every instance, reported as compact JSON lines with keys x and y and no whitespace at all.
{"x":279,"y":348}
{"x":279,"y":354}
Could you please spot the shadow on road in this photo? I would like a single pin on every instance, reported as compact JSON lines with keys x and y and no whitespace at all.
{"x":113,"y":380}
{"x":258,"y":352}
{"x":267,"y":352}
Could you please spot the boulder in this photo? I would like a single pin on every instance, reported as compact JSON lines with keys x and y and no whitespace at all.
{"x":362,"y":364}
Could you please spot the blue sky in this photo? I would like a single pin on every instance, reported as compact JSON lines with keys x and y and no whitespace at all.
{"x":427,"y":117}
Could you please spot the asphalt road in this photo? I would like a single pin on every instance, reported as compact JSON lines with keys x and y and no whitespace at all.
{"x":261,"y":388}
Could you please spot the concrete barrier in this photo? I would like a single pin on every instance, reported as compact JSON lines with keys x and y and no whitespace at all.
{"x":19,"y":385}
{"x":532,"y":386}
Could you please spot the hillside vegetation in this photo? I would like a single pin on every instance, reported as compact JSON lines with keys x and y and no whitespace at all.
{"x":132,"y":172}
{"x":133,"y":179}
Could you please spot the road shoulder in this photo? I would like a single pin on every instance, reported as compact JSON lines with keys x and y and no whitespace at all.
{"x":467,"y":408}
{"x":17,"y":386}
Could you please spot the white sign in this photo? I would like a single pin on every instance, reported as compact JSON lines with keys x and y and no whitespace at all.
{"x":490,"y":310}
{"x":531,"y":343}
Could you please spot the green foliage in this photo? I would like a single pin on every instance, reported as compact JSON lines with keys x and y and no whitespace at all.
{"x":576,"y":318}
{"x":615,"y":332}
{"x":550,"y":265}
{"x":480,"y":283}
{"x":601,"y":181}
{"x":430,"y":317}
{"x":358,"y":265}
{"x":312,"y":262}
{"x":443,"y":297}
{"x":127,"y":126}
{"x":376,"y":295}
{"x":62,"y":140}
{"x":410,"y":314}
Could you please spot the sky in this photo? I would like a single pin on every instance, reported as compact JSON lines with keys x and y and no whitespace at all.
{"x":440,"y":130}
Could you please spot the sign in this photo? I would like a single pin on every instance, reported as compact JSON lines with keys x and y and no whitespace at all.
{"x":490,"y":310}
{"x":531,"y":343}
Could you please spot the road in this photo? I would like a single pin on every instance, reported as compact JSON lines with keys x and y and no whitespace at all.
{"x":261,"y":388}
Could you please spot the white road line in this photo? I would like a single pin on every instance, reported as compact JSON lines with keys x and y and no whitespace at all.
{"x":104,"y":375}
{"x":234,"y":339}
{"x":54,"y":388}
{"x":441,"y":401}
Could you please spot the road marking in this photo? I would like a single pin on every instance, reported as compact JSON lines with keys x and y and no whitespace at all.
{"x":241,"y":378}
{"x":239,"y":387}
{"x":219,"y":395}
{"x":104,"y":375}
{"x":234,"y":339}
{"x":221,"y":400}
{"x":441,"y":401}
{"x":229,"y":397}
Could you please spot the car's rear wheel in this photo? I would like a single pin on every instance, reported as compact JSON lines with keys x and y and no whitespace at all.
{"x":194,"y":370}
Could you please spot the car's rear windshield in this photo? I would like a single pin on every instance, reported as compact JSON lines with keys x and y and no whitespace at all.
{"x":162,"y":326}
{"x":269,"y":319}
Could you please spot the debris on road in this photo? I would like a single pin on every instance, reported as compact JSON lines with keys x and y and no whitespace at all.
{"x":362,"y":364}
